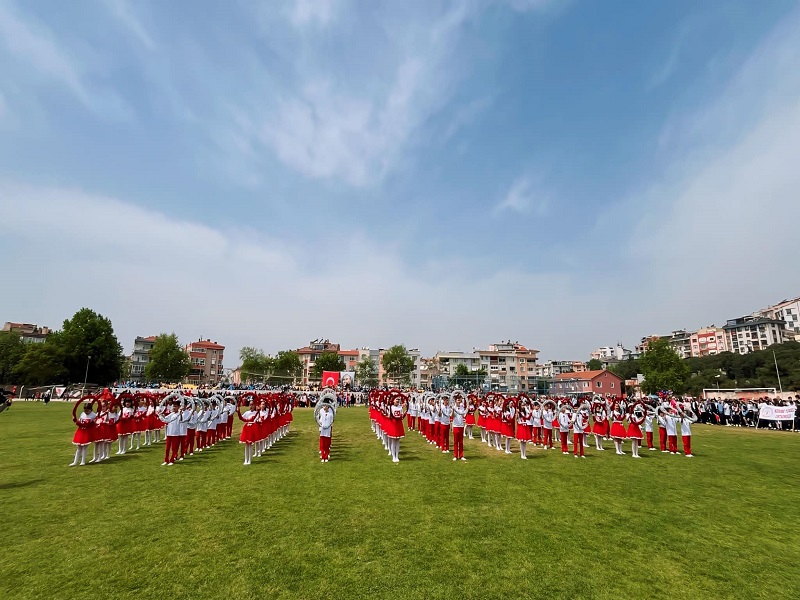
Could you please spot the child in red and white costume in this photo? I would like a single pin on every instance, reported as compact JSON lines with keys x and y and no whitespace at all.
{"x":564,"y":425}
{"x":636,"y":417}
{"x":84,"y":434}
{"x":483,"y":412}
{"x":600,"y":425}
{"x":661,"y":413}
{"x":445,"y":416}
{"x":469,"y":419}
{"x":549,"y":416}
{"x":686,"y":418}
{"x":125,"y":425}
{"x":537,"y":435}
{"x":580,"y":423}
{"x":618,"y":431}
{"x":671,"y":420}
{"x":248,"y":434}
{"x":648,"y":428}
{"x":394,"y":425}
{"x":172,"y":420}
{"x":460,"y":413}
{"x":139,"y":422}
{"x":325,"y":421}
{"x":508,"y":419}
{"x":524,"y":427}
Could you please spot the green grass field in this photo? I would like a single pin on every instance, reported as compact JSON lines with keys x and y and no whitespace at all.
{"x":723,"y":524}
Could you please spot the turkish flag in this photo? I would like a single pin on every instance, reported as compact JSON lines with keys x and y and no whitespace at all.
{"x":330,"y":378}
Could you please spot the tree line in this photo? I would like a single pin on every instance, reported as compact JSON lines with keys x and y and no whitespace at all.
{"x":664,"y":369}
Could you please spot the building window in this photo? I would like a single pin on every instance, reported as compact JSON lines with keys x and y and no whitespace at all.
{"x":612,"y":385}
{"x":599,"y":384}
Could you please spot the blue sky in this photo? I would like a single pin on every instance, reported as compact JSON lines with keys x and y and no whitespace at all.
{"x":440,"y":174}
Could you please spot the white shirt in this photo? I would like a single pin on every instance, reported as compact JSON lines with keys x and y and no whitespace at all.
{"x":173,"y":421}
{"x":686,"y":425}
{"x":459,"y":415}
{"x":447,"y":412}
{"x":564,"y":422}
{"x":671,"y":423}
{"x":547,"y":419}
{"x":325,"y":422}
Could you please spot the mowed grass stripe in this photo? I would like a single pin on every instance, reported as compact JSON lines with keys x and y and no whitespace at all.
{"x":360,"y":526}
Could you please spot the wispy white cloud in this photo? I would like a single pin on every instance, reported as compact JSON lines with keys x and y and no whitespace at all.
{"x":525,"y":196}
{"x":139,"y":257}
{"x":35,"y":45}
{"x":303,"y":13}
{"x":124,"y":12}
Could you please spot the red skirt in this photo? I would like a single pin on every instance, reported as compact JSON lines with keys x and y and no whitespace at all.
{"x":618,"y":430}
{"x":524,"y":432}
{"x":248,"y":435}
{"x":481,"y":421}
{"x":507,"y":429}
{"x":470,"y":419}
{"x":83,"y":436}
{"x":600,"y":428}
{"x":394,"y":428}
{"x":634,"y":431}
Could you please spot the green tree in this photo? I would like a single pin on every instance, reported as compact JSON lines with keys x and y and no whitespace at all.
{"x":594,"y":364}
{"x":89,"y":334}
{"x":327,"y":361}
{"x":367,"y":372}
{"x":41,"y":364}
{"x":663,"y":369}
{"x":256,"y":366}
{"x":398,"y":364}
{"x":12,"y":350}
{"x":465,"y":378}
{"x":168,"y":360}
{"x":287,"y":365}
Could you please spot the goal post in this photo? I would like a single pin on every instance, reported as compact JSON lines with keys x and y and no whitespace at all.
{"x":735,"y":393}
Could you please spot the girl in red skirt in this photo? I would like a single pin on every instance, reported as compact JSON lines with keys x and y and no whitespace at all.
{"x":600,"y":427}
{"x":395,"y":430}
{"x":84,"y":434}
{"x":618,"y":432}
{"x":469,"y":419}
{"x":483,"y":416}
{"x":508,"y":418}
{"x":524,"y":417}
{"x":248,"y":434}
{"x":124,"y":427}
{"x":635,"y":419}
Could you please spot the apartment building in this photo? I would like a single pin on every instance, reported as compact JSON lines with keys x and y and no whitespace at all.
{"x":601,"y":382}
{"x":141,"y":355}
{"x":28,"y":332}
{"x":206,"y":358}
{"x":708,"y":341}
{"x":511,"y":367}
{"x":749,"y":334}
{"x":310,"y":353}
{"x":787,"y":311}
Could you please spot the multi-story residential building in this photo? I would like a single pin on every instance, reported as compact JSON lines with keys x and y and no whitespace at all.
{"x":206,"y":358}
{"x":601,"y":382}
{"x":681,"y":342}
{"x":309,"y":355}
{"x":642,"y":346}
{"x":449,"y":361}
{"x":708,"y":341}
{"x":511,"y":367}
{"x":141,"y":355}
{"x":552,"y":368}
{"x":787,"y":311}
{"x":611,"y":353}
{"x":748,"y":334}
{"x":428,"y":372}
{"x":28,"y":332}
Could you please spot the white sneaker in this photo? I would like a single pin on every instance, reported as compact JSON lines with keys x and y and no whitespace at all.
{"x":583,"y":456}
{"x":651,"y":448}
{"x":462,"y":458}
{"x":170,"y":464}
{"x":181,"y":458}
{"x":82,"y":464}
{"x":72,"y":464}
{"x":690,"y":456}
{"x":524,"y":457}
{"x":163,"y":463}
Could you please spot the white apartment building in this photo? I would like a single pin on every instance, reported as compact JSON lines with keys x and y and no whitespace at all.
{"x":787,"y":311}
{"x":748,"y":334}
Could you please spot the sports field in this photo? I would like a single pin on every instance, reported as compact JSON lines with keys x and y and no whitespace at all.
{"x":722,"y":524}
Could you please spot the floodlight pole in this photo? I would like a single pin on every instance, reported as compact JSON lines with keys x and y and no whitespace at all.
{"x":780,"y":387}
{"x":86,"y":376}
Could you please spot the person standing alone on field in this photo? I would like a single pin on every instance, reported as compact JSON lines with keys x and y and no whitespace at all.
{"x":325,"y":422}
